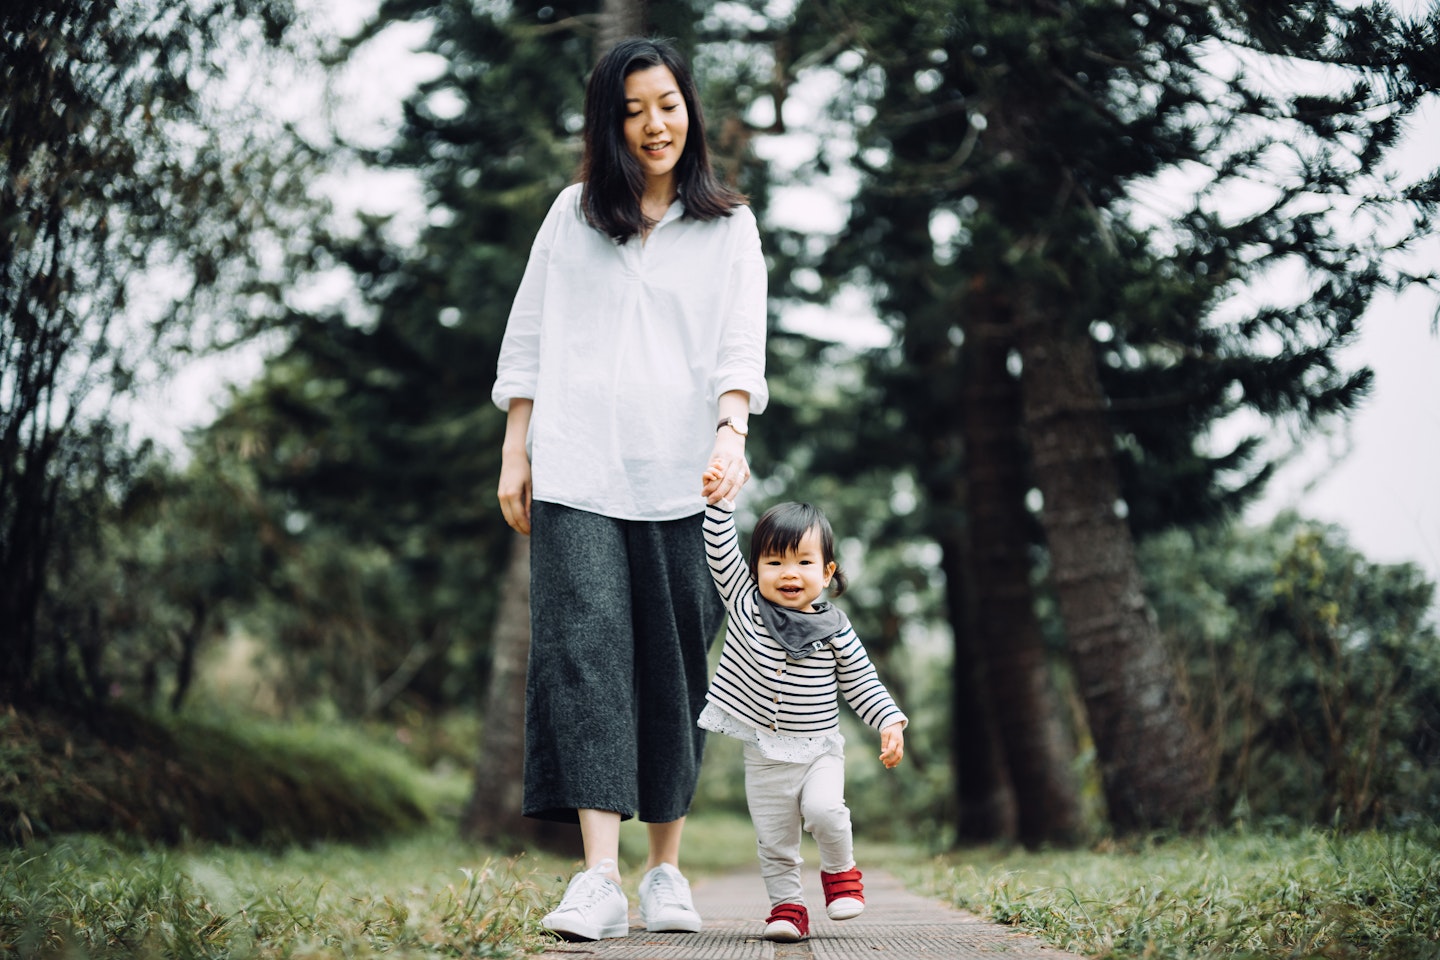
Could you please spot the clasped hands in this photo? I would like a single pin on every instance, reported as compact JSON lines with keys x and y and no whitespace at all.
{"x":728,"y":470}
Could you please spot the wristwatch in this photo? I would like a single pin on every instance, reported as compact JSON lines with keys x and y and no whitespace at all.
{"x":739,"y":426}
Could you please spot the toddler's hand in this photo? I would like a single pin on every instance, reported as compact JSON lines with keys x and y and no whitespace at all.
{"x":892,"y":745}
{"x":710,"y":484}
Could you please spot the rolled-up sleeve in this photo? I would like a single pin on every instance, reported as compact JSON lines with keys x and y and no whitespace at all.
{"x":741,"y":361}
{"x":518,"y":369}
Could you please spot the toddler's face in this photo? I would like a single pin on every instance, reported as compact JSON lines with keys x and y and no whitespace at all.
{"x":797,"y":578}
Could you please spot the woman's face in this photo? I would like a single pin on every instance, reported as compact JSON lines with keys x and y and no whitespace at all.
{"x":656,"y":121}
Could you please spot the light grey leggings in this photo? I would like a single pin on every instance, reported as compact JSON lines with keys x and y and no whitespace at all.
{"x":783,"y":797}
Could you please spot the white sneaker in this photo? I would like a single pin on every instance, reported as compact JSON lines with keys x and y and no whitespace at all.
{"x":593,"y":908}
{"x":665,"y":903}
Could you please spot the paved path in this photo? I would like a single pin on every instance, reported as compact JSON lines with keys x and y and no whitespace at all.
{"x":896,"y":924}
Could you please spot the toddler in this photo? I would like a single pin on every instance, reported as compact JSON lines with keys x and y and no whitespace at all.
{"x":787,"y":652}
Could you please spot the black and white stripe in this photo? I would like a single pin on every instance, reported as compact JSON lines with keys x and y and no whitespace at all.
{"x":756,"y":683}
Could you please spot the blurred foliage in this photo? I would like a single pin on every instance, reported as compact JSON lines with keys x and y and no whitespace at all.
{"x":225,"y":779}
{"x":145,"y":217}
{"x":1315,"y":672}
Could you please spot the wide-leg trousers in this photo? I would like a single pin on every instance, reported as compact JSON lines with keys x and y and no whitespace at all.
{"x":622,"y":614}
{"x":786,"y":797}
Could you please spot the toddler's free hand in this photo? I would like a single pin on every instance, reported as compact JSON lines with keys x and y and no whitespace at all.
{"x":892,"y":745}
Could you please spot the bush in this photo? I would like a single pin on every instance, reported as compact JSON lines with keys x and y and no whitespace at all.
{"x":127,"y":773}
{"x":1315,"y":672}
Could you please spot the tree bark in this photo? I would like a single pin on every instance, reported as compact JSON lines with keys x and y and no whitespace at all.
{"x":619,"y":19}
{"x":1149,"y":752}
{"x":1008,"y":638}
{"x":493,"y":814}
{"x":985,"y":800}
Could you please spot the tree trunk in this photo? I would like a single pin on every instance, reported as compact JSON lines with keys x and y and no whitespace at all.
{"x":1008,"y":636}
{"x":985,"y":800}
{"x":1149,"y":752}
{"x":189,"y":646}
{"x":493,"y":813}
{"x":618,"y":19}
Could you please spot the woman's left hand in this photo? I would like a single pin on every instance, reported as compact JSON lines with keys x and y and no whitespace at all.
{"x":728,"y":468}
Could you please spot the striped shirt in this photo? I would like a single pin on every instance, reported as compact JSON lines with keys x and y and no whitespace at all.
{"x":757,"y":684}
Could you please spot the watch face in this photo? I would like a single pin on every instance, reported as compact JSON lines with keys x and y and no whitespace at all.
{"x":739,"y":426}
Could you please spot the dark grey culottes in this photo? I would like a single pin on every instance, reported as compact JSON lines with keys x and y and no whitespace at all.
{"x":622,"y":615}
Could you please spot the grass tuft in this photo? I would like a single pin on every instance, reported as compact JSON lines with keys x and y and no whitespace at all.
{"x":1304,"y":895}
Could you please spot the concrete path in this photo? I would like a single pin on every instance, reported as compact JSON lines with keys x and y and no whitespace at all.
{"x":896,"y":923}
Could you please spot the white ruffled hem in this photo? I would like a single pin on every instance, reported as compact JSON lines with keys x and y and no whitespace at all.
{"x":772,"y":746}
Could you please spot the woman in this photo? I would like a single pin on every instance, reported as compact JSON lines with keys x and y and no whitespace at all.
{"x":633,"y":355}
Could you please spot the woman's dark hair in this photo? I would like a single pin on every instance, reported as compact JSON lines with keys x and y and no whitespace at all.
{"x":782,"y":528}
{"x":614,"y":182}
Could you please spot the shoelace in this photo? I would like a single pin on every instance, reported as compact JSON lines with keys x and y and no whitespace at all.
{"x":666,"y":888}
{"x":588,"y":889}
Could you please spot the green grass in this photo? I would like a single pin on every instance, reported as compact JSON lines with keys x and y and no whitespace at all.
{"x":424,"y":895}
{"x":1298,"y":895}
{"x":414,"y":890}
{"x":1301,"y":894}
{"x":427,"y":894}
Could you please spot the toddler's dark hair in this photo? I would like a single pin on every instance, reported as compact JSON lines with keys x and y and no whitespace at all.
{"x":782,"y":528}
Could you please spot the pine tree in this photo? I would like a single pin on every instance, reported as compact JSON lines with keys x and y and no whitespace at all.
{"x":1001,"y":151}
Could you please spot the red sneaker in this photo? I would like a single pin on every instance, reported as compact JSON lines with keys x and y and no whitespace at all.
{"x":787,"y":923}
{"x":844,"y":894}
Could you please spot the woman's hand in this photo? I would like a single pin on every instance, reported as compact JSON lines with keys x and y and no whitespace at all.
{"x":515,"y":483}
{"x":728,"y":468}
{"x":514,"y":490}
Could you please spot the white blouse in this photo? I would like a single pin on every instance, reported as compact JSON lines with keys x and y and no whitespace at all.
{"x":626,"y":349}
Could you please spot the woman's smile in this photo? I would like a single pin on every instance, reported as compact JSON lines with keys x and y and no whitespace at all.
{"x":656,"y":121}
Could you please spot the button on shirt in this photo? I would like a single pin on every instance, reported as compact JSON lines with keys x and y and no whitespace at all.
{"x":625,"y":350}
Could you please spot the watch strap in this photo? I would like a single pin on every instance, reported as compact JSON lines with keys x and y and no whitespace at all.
{"x":733,"y":424}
